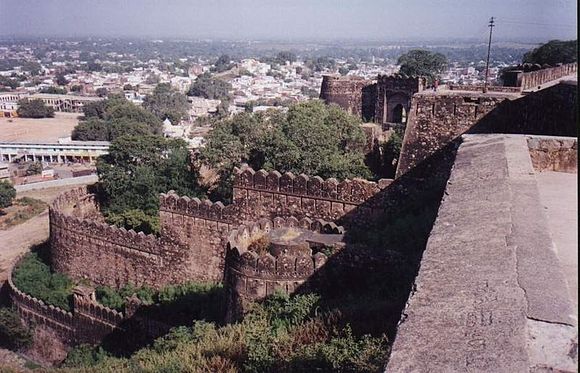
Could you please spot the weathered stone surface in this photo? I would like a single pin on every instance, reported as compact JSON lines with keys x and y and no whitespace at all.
{"x":476,"y":291}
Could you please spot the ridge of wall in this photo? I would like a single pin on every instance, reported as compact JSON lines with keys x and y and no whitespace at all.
{"x":260,"y":194}
{"x":536,"y":78}
{"x":88,"y":322}
{"x":252,"y":276}
{"x":119,"y":256}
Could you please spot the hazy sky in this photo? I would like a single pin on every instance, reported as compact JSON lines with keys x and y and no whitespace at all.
{"x":291,"y":19}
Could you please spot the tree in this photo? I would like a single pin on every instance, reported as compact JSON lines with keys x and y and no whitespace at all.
{"x":54,"y":90}
{"x":166,"y":102}
{"x":35,"y":168}
{"x":76,"y":88}
{"x":128,"y":87}
{"x":108,"y":119}
{"x":312,"y":138}
{"x":553,"y":53}
{"x":61,"y":79}
{"x":7,"y":82}
{"x":7,"y":194}
{"x":136,"y":170}
{"x":343,"y":70}
{"x":284,"y":56}
{"x":423,"y":63}
{"x":102,"y":92}
{"x":222,"y":64}
{"x":211,"y":88}
{"x":34,"y":109}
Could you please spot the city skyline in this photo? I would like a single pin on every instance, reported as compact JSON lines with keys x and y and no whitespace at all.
{"x":296,"y":20}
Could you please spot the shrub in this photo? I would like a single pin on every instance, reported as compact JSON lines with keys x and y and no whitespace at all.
{"x":34,"y":109}
{"x":85,"y":355}
{"x":34,"y":277}
{"x":7,"y":194}
{"x":13,"y":334}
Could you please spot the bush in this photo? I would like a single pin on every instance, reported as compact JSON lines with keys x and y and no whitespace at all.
{"x":13,"y":334}
{"x":34,"y":109}
{"x":85,"y":355}
{"x":7,"y":194}
{"x":34,"y":277}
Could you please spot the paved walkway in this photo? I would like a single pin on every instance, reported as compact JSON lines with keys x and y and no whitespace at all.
{"x":559,"y":195}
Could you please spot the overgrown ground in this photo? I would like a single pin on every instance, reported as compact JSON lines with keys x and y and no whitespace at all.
{"x":22,"y":209}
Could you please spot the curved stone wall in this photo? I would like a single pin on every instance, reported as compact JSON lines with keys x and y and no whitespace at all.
{"x":252,"y":276}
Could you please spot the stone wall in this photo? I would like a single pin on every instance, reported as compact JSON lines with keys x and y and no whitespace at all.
{"x":262,"y":194}
{"x":479,"y":88}
{"x":346,"y":92}
{"x":554,"y":153}
{"x":534,"y":79}
{"x":118,"y":256}
{"x":392,"y":91}
{"x":436,"y":119}
{"x":252,"y":276}
{"x":88,"y":322}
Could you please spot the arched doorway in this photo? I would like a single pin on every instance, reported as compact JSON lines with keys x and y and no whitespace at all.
{"x":399,"y":114}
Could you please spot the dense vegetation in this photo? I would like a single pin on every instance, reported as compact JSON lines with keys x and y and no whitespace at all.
{"x":281,"y":335}
{"x":166,"y":102}
{"x":7,"y":194}
{"x":108,"y":119}
{"x":209,"y":87}
{"x":34,"y":277}
{"x":420,"y":62}
{"x":133,"y":174}
{"x":174,"y":304}
{"x":13,"y":334}
{"x":553,"y":52}
{"x":311,"y":138}
{"x":34,"y":109}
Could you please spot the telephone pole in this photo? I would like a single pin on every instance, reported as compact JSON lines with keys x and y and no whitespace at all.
{"x":491,"y":26}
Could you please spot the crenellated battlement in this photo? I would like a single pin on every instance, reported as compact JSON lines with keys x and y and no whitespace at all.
{"x":253,"y":275}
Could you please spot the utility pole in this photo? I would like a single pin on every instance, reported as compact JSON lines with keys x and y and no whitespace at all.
{"x":491,"y":25}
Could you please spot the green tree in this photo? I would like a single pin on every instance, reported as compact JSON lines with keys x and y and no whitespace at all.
{"x":32,"y":67}
{"x":35,"y":168}
{"x":136,"y":170}
{"x":284,"y":56}
{"x":7,"y":82}
{"x":108,"y":119}
{"x":61,"y":79}
{"x":13,"y":334}
{"x":424,"y":63}
{"x":54,"y":90}
{"x":7,"y":194}
{"x":34,"y":109}
{"x":166,"y":102}
{"x":211,"y":88}
{"x":553,"y":53}
{"x":102,"y":92}
{"x":223,"y":63}
{"x":312,"y":138}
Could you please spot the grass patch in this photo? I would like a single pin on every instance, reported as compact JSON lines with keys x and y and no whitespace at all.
{"x":35,"y":278}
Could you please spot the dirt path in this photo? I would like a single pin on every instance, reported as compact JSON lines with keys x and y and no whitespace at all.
{"x":18,"y":239}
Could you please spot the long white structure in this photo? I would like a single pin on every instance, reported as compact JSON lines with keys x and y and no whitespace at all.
{"x":73,"y":151}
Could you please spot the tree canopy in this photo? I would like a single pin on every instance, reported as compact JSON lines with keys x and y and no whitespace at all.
{"x":7,"y":194}
{"x":312,"y":138}
{"x":108,"y":119}
{"x":424,"y":63}
{"x":209,"y":87}
{"x":135,"y":171}
{"x":34,"y":109}
{"x":167,"y":102}
{"x":553,"y":52}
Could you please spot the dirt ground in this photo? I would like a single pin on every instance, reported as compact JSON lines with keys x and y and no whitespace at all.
{"x":43,"y":130}
{"x":18,"y":240}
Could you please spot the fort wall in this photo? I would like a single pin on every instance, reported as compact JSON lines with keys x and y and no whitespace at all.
{"x":89,"y":322}
{"x":550,"y":153}
{"x":253,"y":276}
{"x":438,"y":118}
{"x":119,"y":256}
{"x":346,"y":92}
{"x":534,"y":79}
{"x":262,"y":194}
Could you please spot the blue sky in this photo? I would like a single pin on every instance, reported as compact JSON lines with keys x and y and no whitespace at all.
{"x":291,"y":19}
